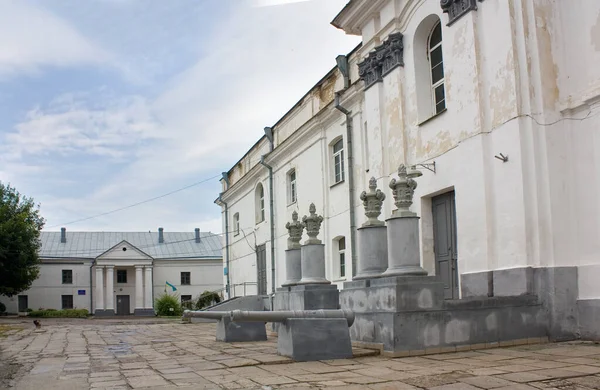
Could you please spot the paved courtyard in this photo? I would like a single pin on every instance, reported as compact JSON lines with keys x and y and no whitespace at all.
{"x":99,"y":354}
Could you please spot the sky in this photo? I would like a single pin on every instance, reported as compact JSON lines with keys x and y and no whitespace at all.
{"x":105,"y":104}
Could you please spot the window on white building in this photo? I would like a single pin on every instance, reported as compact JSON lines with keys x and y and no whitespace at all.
{"x":186,"y":278}
{"x":67,"y":301}
{"x":342,"y":256}
{"x":260,"y":203}
{"x":236,"y":224}
{"x":67,"y":276}
{"x":338,"y":161}
{"x":292,"y":191}
{"x":121,"y":276}
{"x":436,"y":64}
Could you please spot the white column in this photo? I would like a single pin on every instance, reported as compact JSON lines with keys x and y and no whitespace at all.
{"x":139,"y":287}
{"x":99,"y":288}
{"x":148,"y":287}
{"x":110,"y":300}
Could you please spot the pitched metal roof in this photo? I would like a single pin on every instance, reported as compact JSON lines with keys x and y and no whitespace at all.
{"x":176,"y":245}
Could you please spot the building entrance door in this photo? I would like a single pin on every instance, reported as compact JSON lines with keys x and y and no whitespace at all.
{"x":261,"y":269}
{"x":444,"y":242}
{"x":123,"y":308}
{"x":23,"y":304}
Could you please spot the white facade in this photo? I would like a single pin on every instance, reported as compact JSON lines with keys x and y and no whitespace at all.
{"x":520,"y":80}
{"x":106,"y":274}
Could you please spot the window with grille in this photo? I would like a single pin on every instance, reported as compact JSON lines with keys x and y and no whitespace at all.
{"x":185,"y":278}
{"x":67,"y":276}
{"x":121,"y":276}
{"x":436,"y":63}
{"x":67,"y":301}
{"x":338,"y":161}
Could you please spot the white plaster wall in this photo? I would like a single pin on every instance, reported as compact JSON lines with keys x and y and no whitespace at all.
{"x":46,"y":291}
{"x":205,"y":275}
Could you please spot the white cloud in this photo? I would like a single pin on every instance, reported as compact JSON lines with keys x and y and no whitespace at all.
{"x":255,"y":66}
{"x":31,"y":37}
{"x":69,"y":125}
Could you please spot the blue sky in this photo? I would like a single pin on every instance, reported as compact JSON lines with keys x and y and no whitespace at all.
{"x":106,"y":103}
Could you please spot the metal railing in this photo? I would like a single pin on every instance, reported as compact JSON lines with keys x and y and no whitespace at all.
{"x":239,"y":290}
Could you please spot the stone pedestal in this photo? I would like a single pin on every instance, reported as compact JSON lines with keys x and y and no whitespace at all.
{"x":309,"y":339}
{"x":313,"y":264}
{"x":229,"y":331}
{"x":293,"y":267}
{"x":306,"y":297}
{"x":372,"y":252}
{"x":404,"y":257}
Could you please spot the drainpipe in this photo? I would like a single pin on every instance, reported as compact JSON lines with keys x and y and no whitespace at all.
{"x":222,"y":202}
{"x":269,"y":135}
{"x":91,"y":288}
{"x":342,"y":63}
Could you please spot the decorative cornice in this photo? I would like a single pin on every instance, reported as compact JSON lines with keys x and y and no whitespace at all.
{"x":457,"y":8}
{"x":381,"y":61}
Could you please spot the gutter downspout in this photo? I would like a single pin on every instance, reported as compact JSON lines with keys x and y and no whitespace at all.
{"x":269,"y":135}
{"x":91,"y":288}
{"x":220,"y":199}
{"x":342,"y":62}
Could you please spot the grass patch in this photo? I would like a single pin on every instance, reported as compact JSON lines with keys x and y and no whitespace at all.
{"x":66,"y":313}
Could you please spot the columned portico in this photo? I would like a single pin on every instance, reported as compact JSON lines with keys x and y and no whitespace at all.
{"x":132,"y":293}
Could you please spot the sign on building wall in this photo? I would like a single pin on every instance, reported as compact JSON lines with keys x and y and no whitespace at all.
{"x":80,"y":292}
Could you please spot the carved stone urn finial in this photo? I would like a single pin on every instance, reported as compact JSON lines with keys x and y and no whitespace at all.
{"x":372,"y":201}
{"x":295,"y":229}
{"x":403,"y":191}
{"x":312,"y":223}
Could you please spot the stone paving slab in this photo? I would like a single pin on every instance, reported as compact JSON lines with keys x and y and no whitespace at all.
{"x":148,"y":355}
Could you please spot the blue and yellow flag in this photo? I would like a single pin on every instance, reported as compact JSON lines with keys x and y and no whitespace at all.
{"x":170,"y":285}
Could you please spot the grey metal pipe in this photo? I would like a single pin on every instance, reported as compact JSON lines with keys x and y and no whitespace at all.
{"x":271,"y":316}
{"x":349,"y":130}
{"x":272,"y":225}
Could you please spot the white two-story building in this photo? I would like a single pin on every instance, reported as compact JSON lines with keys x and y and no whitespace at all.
{"x":496,"y":102}
{"x":120,"y":273}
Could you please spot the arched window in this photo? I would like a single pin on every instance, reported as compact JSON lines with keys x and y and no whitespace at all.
{"x":436,"y":64}
{"x":429,"y":68}
{"x":260,"y":203}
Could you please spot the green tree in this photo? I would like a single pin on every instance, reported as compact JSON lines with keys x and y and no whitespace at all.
{"x":20,"y":226}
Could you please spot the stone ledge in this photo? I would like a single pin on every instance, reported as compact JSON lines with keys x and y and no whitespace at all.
{"x":455,"y":348}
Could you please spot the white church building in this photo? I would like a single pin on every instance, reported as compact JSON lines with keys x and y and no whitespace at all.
{"x":112,"y":273}
{"x":496,"y":102}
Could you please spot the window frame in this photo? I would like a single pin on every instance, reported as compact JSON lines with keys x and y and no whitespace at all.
{"x":189,"y":278}
{"x":62,"y":301}
{"x":335,"y":155}
{"x":66,"y":272}
{"x":236,"y":224}
{"x":260,"y":203}
{"x":442,"y":81}
{"x":121,"y":272}
{"x":292,"y":187}
{"x":341,"y":257}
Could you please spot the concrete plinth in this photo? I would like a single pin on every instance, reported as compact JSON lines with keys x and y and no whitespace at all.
{"x":104,"y":313}
{"x":229,"y":331}
{"x":404,"y":257}
{"x":409,"y":313}
{"x":309,"y":339}
{"x":372,"y":252}
{"x":144,"y":312}
{"x":306,"y":297}
{"x":313,"y":264}
{"x":293,"y":267}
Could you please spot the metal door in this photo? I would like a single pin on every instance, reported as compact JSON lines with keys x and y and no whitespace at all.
{"x":261,"y":269}
{"x":123,"y":308}
{"x":23,"y":304}
{"x":444,"y":239}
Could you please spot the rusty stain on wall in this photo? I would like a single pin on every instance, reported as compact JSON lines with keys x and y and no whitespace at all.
{"x":548,"y":67}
